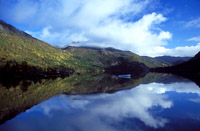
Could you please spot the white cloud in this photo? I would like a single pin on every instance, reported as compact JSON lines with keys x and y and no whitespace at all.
{"x":193,"y":23}
{"x":135,"y":36}
{"x":179,"y":87}
{"x":104,"y":23}
{"x":178,"y":51}
{"x":164,"y":35}
{"x":102,"y":110}
{"x":196,"y":100}
{"x":78,"y":37}
{"x":196,"y":39}
{"x":136,"y":104}
{"x":47,"y":35}
{"x":98,"y":22}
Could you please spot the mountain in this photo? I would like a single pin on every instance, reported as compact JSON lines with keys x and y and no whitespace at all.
{"x":152,"y":62}
{"x":191,"y":66}
{"x":115,"y":61}
{"x":185,"y":68}
{"x":18,"y":47}
{"x":20,"y":50}
{"x":173,"y":60}
{"x":196,"y":57}
{"x":14,"y":101}
{"x":189,"y":69}
{"x":104,"y":57}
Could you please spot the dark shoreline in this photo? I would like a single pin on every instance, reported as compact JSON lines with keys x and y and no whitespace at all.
{"x":12,"y":73}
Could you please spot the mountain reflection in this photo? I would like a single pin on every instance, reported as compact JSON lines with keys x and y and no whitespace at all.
{"x":132,"y":104}
{"x":103,"y":111}
{"x":17,"y":99}
{"x":145,"y":107}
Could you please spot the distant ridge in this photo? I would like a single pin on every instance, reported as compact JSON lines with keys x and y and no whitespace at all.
{"x":107,"y":56}
{"x":172,"y":59}
{"x":96,"y":48}
{"x":189,"y":69}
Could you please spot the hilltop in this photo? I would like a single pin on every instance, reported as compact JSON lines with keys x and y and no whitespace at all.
{"x":105,"y":57}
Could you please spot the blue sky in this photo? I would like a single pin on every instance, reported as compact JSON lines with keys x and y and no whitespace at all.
{"x":146,"y":27}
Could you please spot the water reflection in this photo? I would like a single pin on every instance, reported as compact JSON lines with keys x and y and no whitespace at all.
{"x":154,"y":106}
{"x":178,"y":87}
{"x":15,"y":99}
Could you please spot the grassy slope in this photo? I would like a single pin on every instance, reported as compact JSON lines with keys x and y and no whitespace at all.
{"x":152,"y":62}
{"x":19,"y":46}
{"x":104,"y":57}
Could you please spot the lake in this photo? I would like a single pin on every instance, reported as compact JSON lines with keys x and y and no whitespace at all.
{"x":102,"y":103}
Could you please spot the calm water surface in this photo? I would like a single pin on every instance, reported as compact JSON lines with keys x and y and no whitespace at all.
{"x":165,"y":105}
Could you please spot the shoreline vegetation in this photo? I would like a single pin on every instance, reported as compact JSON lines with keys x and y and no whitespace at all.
{"x":12,"y":72}
{"x":24,"y":72}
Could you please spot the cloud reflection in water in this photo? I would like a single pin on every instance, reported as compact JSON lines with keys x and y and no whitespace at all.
{"x":139,"y":108}
{"x":134,"y":103}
